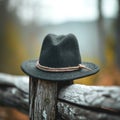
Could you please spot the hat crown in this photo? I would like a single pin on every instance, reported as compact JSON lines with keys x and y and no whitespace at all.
{"x":60,"y":51}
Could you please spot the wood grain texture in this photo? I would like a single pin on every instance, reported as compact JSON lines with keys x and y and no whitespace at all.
{"x":71,"y":112}
{"x":92,"y":96}
{"x":75,"y":102}
{"x":43,"y":99}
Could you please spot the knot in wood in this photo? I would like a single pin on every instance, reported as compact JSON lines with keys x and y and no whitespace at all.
{"x":47,"y":101}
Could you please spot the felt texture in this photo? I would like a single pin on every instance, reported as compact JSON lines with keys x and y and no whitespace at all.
{"x":59,"y":51}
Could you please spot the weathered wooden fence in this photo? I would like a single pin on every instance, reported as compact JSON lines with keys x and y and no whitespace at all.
{"x":74,"y":101}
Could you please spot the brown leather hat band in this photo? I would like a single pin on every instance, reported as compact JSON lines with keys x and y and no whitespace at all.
{"x":64,"y":69}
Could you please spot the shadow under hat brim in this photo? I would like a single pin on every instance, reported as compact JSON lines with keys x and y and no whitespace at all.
{"x":29,"y":67}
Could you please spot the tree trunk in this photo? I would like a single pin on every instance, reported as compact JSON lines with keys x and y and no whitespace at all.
{"x":101,"y":33}
{"x":118,"y":36}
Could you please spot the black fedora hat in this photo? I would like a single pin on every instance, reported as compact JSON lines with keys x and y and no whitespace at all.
{"x":59,"y":60}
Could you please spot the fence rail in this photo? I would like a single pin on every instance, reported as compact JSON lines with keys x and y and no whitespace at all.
{"x":74,"y":102}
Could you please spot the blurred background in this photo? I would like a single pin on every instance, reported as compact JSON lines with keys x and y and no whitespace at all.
{"x":95,"y":23}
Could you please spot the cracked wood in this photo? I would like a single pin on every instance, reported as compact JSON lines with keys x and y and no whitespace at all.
{"x":75,"y":102}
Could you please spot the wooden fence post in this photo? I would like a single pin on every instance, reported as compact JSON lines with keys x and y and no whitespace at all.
{"x":42,"y":99}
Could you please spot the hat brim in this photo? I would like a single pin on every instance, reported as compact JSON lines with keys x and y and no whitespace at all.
{"x":29,"y":67}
